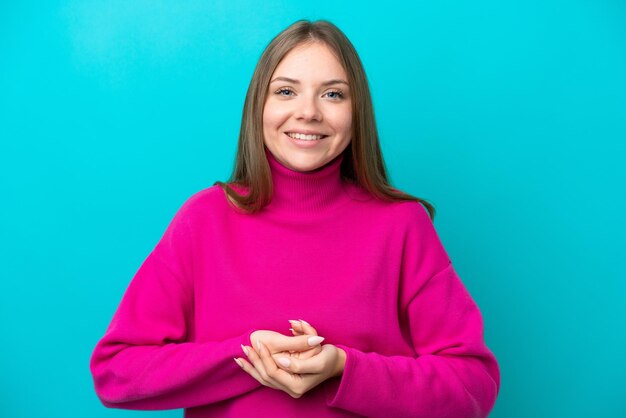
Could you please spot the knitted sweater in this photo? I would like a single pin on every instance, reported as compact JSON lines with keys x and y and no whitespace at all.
{"x":372,"y":277}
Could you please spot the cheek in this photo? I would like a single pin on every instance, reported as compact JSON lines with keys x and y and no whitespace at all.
{"x":273,"y":115}
{"x":267,"y":118}
{"x":343,"y":122}
{"x":269,"y":125}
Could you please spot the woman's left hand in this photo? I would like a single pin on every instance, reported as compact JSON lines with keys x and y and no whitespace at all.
{"x":293,"y":375}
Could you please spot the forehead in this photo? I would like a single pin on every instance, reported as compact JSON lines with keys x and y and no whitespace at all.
{"x":313,"y":61}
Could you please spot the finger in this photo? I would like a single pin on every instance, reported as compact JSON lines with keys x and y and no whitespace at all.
{"x":308,"y":353}
{"x":249,"y":368}
{"x":299,"y":365}
{"x":284,"y":378}
{"x":313,"y":371}
{"x":283,"y":362}
{"x":258,"y":370}
{"x":295,"y":343}
{"x":268,"y":361}
{"x":266,"y":366}
{"x":302,"y":327}
{"x":252,"y":371}
{"x":276,"y":375}
{"x":312,"y":363}
{"x":268,"y":369}
{"x":307,"y":328}
{"x":296,"y":327}
{"x":254,"y":358}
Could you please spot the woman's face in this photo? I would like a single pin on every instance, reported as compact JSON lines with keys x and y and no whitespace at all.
{"x":307,"y":118}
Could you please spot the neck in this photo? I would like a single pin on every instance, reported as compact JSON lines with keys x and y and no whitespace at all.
{"x":305,"y":192}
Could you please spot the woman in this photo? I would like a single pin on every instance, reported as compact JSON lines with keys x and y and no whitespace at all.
{"x":308,"y":227}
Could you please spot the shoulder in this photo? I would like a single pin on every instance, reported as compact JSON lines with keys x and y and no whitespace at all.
{"x":411,"y":214}
{"x":406,"y":213}
{"x":202,"y":198}
{"x":201,"y":204}
{"x":411,"y":211}
{"x":420,"y":232}
{"x":398,"y":213}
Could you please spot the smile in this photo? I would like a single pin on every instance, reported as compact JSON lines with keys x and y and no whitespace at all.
{"x":304,"y":137}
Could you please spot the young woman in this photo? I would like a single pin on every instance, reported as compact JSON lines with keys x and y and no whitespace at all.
{"x":307,"y":227}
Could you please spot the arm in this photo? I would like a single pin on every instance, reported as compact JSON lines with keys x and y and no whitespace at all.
{"x":453,"y":373}
{"x":146,"y":359}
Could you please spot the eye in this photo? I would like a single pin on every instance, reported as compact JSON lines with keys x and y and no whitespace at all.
{"x":284,"y":91}
{"x":335,"y":94}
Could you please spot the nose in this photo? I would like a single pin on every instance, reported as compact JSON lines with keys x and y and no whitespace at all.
{"x":308,"y":109}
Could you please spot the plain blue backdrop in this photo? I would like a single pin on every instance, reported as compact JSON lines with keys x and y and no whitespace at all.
{"x":509,"y":116}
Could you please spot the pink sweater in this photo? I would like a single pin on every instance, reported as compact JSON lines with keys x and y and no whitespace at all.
{"x":372,"y":277}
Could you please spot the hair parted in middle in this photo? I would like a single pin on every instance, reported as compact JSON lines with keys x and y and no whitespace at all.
{"x":363,"y":162}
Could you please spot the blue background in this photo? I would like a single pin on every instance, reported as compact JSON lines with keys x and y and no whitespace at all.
{"x":509,"y":116}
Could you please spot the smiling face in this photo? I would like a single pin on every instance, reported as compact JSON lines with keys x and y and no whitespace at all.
{"x":307,"y":117}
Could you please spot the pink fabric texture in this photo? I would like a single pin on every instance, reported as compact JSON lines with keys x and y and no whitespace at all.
{"x":372,"y":277}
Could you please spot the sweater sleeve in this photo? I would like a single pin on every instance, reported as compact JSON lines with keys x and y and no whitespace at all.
{"x":451,"y":374}
{"x":146,"y":359}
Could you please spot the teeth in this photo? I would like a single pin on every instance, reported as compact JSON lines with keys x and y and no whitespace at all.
{"x":305,"y":137}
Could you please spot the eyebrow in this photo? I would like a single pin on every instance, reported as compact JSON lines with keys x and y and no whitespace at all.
{"x":325,"y":83}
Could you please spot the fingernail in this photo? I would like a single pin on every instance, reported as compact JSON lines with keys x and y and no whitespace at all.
{"x":293,"y":322}
{"x":304,"y":322}
{"x":315,"y":340}
{"x":238,"y":362}
{"x":258,"y":346}
{"x":284,"y":361}
{"x":291,"y":329}
{"x":245,"y":350}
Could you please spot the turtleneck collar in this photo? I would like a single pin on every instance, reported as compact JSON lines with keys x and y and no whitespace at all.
{"x":301,"y":192}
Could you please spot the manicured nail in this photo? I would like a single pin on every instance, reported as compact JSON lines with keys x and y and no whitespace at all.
{"x":258,"y":346}
{"x":315,"y":340}
{"x":304,"y":322}
{"x":293,"y":322}
{"x":245,"y":350}
{"x":291,"y":329}
{"x":238,"y":362}
{"x":284,"y":361}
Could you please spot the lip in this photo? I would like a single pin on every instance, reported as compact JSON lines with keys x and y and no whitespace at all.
{"x":304,"y":132}
{"x":302,"y":143}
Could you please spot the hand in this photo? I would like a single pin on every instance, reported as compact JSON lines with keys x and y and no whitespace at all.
{"x":301,"y":347}
{"x":301,"y":327}
{"x":293,"y":372}
{"x":282,"y":346}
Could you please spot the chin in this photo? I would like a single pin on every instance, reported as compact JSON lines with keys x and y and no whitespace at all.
{"x":304,"y":168}
{"x":305,"y":165}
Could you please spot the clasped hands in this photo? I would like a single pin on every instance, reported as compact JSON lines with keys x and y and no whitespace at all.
{"x":294,"y":364}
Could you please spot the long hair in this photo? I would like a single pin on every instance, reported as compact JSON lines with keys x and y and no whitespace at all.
{"x":363,"y":161}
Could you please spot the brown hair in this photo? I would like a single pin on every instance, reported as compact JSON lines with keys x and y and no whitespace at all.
{"x":363,"y":161}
